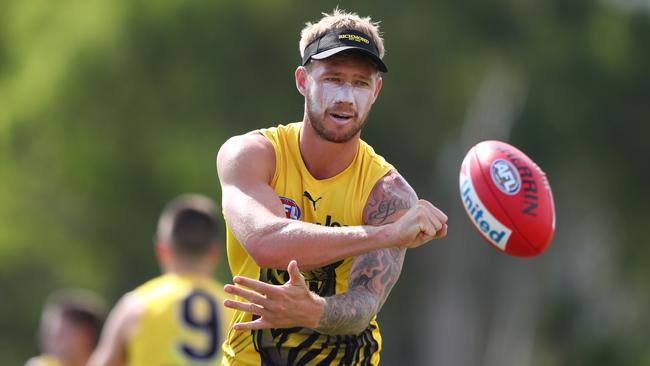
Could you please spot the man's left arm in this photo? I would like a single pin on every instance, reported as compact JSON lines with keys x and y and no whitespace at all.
{"x":373,"y":274}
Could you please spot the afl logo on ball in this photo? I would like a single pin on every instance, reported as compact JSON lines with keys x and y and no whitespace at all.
{"x":291,"y":208}
{"x":505,"y":176}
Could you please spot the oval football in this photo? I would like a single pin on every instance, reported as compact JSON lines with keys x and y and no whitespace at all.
{"x":507,"y":198}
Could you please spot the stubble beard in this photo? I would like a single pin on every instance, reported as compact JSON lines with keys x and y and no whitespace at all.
{"x":317,"y":124}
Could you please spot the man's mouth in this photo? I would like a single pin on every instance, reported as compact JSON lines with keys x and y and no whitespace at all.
{"x":341,"y":117}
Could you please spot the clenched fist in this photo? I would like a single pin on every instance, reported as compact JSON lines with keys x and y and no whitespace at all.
{"x":421,"y":223}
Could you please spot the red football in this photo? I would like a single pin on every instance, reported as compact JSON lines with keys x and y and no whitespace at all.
{"x":508,"y":198}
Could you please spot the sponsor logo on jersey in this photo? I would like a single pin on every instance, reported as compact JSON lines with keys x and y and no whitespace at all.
{"x":505,"y":176}
{"x":311,"y":199}
{"x":291,"y":208}
{"x":330,"y":222}
{"x":491,"y":228}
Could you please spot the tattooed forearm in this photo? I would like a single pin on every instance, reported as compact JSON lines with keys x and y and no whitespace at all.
{"x":347,"y":313}
{"x":372,"y":276}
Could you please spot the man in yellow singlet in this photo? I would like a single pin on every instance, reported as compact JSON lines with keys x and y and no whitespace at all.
{"x":176,"y":318}
{"x":313,"y":195}
{"x":70,"y":325}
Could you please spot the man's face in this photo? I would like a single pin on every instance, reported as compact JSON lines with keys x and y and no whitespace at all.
{"x":339,"y":92}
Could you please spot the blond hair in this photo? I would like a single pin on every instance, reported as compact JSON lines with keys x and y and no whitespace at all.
{"x":340,"y":19}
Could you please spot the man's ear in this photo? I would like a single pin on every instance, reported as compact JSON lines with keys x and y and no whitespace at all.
{"x":301,"y":80}
{"x":163,"y":253}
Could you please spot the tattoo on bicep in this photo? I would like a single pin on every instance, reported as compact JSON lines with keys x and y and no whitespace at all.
{"x":389,"y":200}
{"x":385,"y":208}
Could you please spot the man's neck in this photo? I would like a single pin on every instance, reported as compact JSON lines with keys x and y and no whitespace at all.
{"x":325,"y":159}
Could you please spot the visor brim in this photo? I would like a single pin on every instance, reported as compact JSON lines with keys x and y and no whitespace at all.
{"x":331,"y":52}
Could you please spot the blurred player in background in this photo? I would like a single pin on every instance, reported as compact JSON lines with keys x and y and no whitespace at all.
{"x":315,"y":192}
{"x":70,"y":326}
{"x":177,"y":318}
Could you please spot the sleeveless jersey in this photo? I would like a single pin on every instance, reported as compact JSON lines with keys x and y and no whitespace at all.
{"x":336,"y":201}
{"x":183,"y":322}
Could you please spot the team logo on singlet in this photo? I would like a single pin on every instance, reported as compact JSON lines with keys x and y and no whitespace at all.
{"x":291,"y":208}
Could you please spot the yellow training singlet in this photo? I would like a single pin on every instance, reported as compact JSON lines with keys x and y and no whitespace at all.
{"x":336,"y":201}
{"x":184,"y":322}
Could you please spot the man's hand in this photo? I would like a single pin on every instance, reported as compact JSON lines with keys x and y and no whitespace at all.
{"x":421,"y":223}
{"x":286,"y":306}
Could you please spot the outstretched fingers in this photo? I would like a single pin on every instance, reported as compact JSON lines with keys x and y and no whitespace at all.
{"x":254,"y":291}
{"x":247,"y":294}
{"x":245,"y":306}
{"x":255,"y":285}
{"x":259,"y":323}
{"x":278,"y":306}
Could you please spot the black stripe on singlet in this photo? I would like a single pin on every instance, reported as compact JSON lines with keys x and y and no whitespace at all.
{"x":257,"y":339}
{"x":245,"y":336}
{"x":331,"y":356}
{"x":359,"y":342}
{"x":284,"y":335}
{"x":367,"y":348}
{"x":348,"y":350}
{"x":373,"y":342}
{"x":307,"y":356}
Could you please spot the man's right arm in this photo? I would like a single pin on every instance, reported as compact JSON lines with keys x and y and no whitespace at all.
{"x":254,"y":213}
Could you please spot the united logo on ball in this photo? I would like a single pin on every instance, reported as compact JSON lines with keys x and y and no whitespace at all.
{"x":508,"y":198}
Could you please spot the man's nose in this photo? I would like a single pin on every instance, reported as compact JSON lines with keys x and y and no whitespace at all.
{"x":344,"y":94}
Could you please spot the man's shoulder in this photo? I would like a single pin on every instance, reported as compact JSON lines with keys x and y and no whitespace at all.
{"x":394,"y":183}
{"x":251,"y":145}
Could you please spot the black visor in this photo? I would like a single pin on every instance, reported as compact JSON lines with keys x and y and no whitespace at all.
{"x":341,"y":40}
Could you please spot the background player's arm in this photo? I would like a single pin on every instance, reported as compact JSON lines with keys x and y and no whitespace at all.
{"x":253,"y":211}
{"x":372,"y":274}
{"x":111,"y":350}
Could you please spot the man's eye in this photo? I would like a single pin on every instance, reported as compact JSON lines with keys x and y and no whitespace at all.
{"x":334,"y":80}
{"x":361,"y":83}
